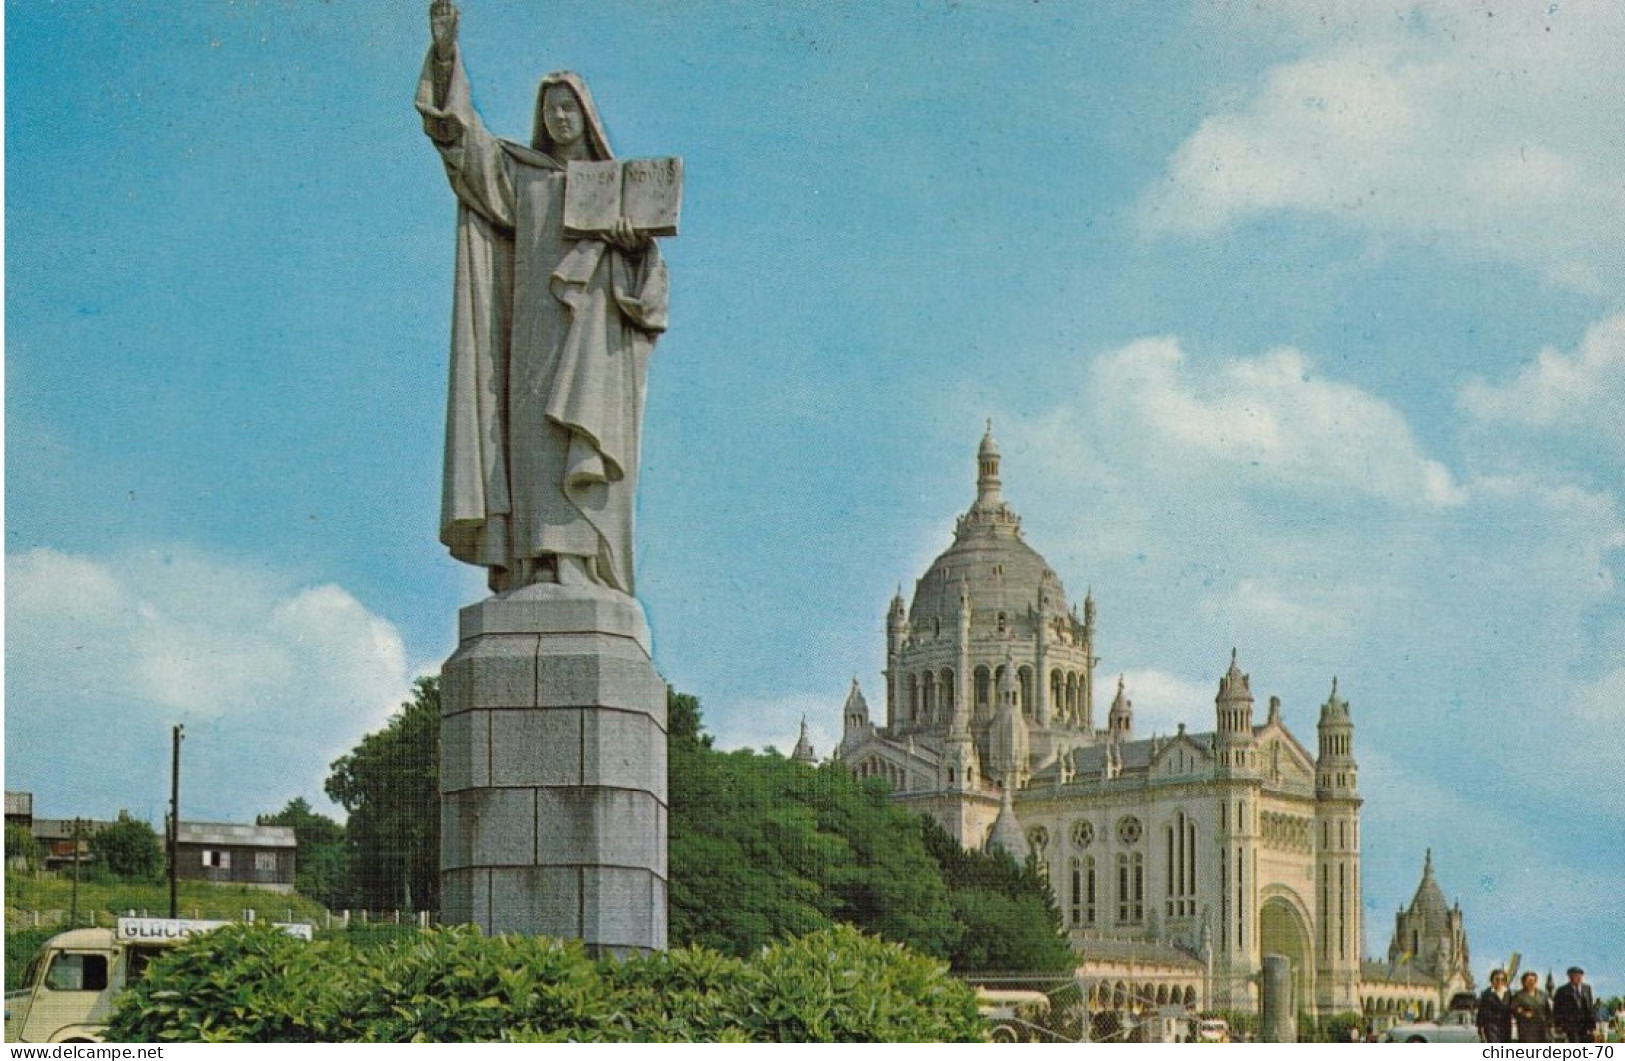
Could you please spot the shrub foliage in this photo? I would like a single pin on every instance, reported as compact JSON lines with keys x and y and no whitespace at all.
{"x":249,"y":983}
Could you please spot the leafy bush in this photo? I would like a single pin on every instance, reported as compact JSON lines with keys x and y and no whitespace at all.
{"x":454,"y":985}
{"x":244,"y":983}
{"x":1333,"y":1029}
{"x":1243,"y":1023}
{"x":252,"y":984}
{"x":842,"y":986}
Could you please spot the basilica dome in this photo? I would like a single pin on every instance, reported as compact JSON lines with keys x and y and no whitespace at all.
{"x":1003,"y":578}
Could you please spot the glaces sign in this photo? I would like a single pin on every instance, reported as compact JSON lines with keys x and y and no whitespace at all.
{"x":173,"y":929}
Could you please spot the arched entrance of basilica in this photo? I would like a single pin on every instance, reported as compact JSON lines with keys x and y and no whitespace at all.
{"x":1283,"y":931}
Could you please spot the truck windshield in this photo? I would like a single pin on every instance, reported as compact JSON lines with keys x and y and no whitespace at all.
{"x":77,"y":972}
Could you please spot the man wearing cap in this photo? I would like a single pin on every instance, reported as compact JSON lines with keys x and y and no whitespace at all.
{"x":1574,"y":1011}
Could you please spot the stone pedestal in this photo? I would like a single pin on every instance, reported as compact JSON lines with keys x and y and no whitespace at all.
{"x":553,"y":771}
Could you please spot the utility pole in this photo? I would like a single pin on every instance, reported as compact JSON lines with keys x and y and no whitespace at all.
{"x":73,"y":903}
{"x":174,"y":821}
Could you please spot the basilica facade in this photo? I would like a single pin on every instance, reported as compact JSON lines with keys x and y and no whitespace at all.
{"x":1178,"y":861}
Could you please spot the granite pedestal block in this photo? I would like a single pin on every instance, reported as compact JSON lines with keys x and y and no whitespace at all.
{"x":553,"y":771}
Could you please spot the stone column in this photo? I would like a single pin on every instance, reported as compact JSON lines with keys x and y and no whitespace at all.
{"x":1279,"y":1020}
{"x":553,"y":771}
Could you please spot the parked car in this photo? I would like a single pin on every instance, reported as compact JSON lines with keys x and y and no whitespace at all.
{"x":1458,"y":1026}
{"x":1013,"y":1014}
{"x":1212,"y":1030}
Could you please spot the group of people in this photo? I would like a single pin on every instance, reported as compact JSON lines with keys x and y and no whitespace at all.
{"x":1529,"y":1016}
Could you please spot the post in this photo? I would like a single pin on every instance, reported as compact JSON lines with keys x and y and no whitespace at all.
{"x":1279,"y":1020}
{"x":73,"y":902}
{"x":174,"y":821}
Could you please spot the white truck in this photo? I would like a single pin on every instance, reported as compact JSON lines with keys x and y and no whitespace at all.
{"x":69,"y":989}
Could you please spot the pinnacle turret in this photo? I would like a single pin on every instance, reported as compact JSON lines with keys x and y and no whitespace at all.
{"x":1007,"y":834}
{"x":991,"y":514}
{"x":1120,"y":719}
{"x":803,"y":752}
{"x":1336,"y":772}
{"x":1009,"y":743}
{"x":854,"y":716}
{"x":1234,"y":686}
{"x":987,"y":471}
{"x":1234,"y":707}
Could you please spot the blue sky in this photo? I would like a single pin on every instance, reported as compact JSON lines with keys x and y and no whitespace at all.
{"x":1302,"y":327}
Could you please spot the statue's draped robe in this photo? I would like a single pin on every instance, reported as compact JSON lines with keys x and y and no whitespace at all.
{"x":550,"y":345}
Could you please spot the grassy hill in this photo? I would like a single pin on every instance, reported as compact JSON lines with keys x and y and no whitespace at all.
{"x":26,"y":893}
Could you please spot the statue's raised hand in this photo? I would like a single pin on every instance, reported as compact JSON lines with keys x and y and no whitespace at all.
{"x":443,"y":28}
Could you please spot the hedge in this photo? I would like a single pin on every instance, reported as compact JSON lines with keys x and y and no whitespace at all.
{"x":249,"y":983}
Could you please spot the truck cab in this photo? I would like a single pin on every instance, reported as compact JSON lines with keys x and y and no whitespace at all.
{"x":70,"y":986}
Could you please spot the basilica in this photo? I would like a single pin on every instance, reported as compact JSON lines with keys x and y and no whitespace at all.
{"x":1177,"y":861}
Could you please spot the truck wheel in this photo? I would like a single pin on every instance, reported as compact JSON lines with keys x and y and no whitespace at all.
{"x":1004,"y":1033}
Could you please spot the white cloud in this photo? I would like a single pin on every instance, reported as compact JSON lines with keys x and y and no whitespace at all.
{"x":1257,"y":503}
{"x":272,"y":680}
{"x":1476,"y":128}
{"x":1161,"y":701}
{"x":1269,"y":420}
{"x":1582,"y":393}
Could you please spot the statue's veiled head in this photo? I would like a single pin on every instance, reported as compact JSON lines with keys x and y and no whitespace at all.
{"x":556,"y":120}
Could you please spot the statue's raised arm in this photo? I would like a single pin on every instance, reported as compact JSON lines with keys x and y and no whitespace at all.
{"x":443,"y":17}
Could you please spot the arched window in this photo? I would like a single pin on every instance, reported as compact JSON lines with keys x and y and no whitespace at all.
{"x":1130,"y":888}
{"x":1179,"y":850}
{"x":1024,"y":689}
{"x":945,"y":695}
{"x":984,"y":683}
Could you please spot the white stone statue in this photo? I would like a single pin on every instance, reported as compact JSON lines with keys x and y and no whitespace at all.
{"x":551,"y":336}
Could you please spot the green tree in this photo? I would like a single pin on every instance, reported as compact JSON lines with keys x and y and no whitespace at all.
{"x":1007,"y":916}
{"x":762,"y":848}
{"x":683,"y":726}
{"x":21,"y":845}
{"x":129,"y":849}
{"x":390,"y":787}
{"x":322,"y":859}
